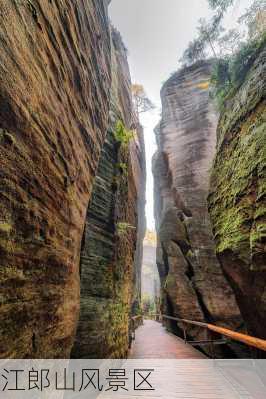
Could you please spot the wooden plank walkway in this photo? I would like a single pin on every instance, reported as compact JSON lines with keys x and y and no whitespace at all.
{"x":165,"y":359}
{"x":154,"y":342}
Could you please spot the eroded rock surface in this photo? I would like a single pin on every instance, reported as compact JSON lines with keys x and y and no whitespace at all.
{"x":54,"y":99}
{"x":111,"y":251}
{"x":237,"y":200}
{"x":193,"y":284}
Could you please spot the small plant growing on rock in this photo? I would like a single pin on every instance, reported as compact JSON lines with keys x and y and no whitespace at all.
{"x":122,"y":135}
{"x":123,"y":227}
{"x":122,"y":168}
{"x":5,"y":227}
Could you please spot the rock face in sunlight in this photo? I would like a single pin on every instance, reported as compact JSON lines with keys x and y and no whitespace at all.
{"x":193,"y":284}
{"x":55,"y":99}
{"x":237,"y":200}
{"x":111,"y":250}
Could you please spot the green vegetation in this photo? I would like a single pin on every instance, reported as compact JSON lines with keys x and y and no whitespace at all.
{"x":7,"y":137}
{"x":122,"y":168}
{"x":237,"y":177}
{"x":233,"y":51}
{"x":208,"y":34}
{"x":221,"y":5}
{"x":122,"y":135}
{"x":170,"y":281}
{"x":148,"y":305}
{"x":230,"y":72}
{"x":5,"y":227}
{"x":123,"y":227}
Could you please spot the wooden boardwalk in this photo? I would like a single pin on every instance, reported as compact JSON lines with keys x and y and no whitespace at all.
{"x":154,"y":342}
{"x":167,"y":362}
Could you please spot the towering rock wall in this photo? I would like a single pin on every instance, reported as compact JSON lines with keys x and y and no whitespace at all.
{"x":237,"y":200}
{"x":54,"y":100}
{"x":109,"y":265}
{"x":55,"y":86}
{"x":193,"y":284}
{"x":139,"y":171}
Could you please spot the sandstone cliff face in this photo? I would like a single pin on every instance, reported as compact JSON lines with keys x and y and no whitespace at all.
{"x":110,"y":267}
{"x":193,"y":284}
{"x":54,"y":100}
{"x":237,"y":200}
{"x":55,"y":92}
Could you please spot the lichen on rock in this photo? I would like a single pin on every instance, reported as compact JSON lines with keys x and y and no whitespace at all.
{"x":237,"y":200}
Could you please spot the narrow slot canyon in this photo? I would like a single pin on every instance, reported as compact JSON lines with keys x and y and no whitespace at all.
{"x":82,"y":265}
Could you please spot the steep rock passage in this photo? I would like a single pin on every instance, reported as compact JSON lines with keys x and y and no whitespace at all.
{"x":237,"y":200}
{"x":111,"y":251}
{"x":54,"y":100}
{"x":193,"y":284}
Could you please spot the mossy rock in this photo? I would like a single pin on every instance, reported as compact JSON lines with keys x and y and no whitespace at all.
{"x":237,"y":202}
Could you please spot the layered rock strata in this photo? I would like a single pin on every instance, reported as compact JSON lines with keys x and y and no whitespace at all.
{"x":57,"y":68}
{"x":193,"y":283}
{"x":237,"y":201}
{"x":111,"y":250}
{"x":54,"y":98}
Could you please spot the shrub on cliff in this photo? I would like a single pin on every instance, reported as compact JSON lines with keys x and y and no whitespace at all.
{"x":213,"y":39}
{"x":230,"y":72}
{"x":141,"y":101}
{"x":122,"y":134}
{"x":242,"y":61}
{"x":123,"y":227}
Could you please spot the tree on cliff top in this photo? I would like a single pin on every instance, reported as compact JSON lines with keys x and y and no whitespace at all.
{"x":221,"y":5}
{"x":194,"y":52}
{"x":230,"y":71}
{"x":208,"y":35}
{"x":140,"y":100}
{"x":210,"y":32}
{"x":255,"y":19}
{"x":234,"y":51}
{"x":210,"y":39}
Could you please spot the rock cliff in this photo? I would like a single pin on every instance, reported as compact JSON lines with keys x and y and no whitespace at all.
{"x":55,"y":95}
{"x":111,"y":250}
{"x":237,"y":200}
{"x":193,"y":284}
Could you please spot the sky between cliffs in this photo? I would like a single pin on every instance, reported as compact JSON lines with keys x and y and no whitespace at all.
{"x":156,"y":32}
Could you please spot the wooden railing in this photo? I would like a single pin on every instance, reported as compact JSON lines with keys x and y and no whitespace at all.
{"x":135,"y":322}
{"x":138,"y":318}
{"x":243,"y":338}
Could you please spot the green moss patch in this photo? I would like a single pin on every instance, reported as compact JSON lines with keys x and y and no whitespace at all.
{"x":238,"y":180}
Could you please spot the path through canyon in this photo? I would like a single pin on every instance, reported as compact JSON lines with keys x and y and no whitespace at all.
{"x":154,"y":342}
{"x":73,"y":269}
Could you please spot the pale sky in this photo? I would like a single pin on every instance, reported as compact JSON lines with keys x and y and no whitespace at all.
{"x":156,"y":32}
